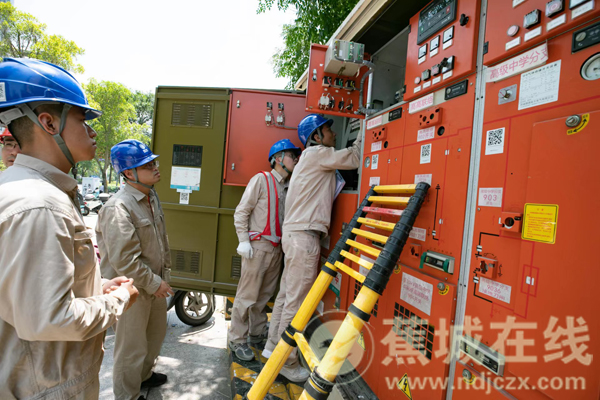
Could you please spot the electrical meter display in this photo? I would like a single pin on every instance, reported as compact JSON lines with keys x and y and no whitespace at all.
{"x":436,"y":16}
{"x":187,"y":155}
{"x":531,"y":19}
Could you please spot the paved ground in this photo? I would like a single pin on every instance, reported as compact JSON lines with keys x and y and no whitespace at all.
{"x":196,"y":359}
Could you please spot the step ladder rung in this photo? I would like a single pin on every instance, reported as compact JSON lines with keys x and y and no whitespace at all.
{"x":370,"y":235}
{"x":356,"y":259}
{"x":396,"y":189}
{"x":363,"y":247}
{"x":350,"y":272}
{"x":309,"y":355}
{"x":392,"y":200}
{"x":388,"y":226}
{"x":383,"y":211}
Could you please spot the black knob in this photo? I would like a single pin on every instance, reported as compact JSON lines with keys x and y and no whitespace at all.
{"x":463,"y":20}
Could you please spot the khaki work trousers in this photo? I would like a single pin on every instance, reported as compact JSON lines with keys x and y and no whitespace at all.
{"x":256,"y":286}
{"x":140,"y":334}
{"x":302,"y":253}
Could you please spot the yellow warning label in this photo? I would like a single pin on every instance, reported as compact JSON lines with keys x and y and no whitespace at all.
{"x":403,"y":385}
{"x":361,"y":341}
{"x":469,"y":381}
{"x":445,"y":291}
{"x":585,"y":118}
{"x":539,"y":222}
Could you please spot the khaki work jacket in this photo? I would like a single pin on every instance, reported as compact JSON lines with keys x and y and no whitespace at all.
{"x":312,"y":187}
{"x":132,"y":239}
{"x":52,"y":310}
{"x":252,"y":213}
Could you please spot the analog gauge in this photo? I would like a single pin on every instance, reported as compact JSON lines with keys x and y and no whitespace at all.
{"x":367,"y":162}
{"x":590,"y":70}
{"x":417,"y":80}
{"x":513,"y":30}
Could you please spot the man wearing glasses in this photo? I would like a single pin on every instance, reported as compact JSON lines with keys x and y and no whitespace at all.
{"x":132,"y":239}
{"x":258,"y":220}
{"x":10,"y":148}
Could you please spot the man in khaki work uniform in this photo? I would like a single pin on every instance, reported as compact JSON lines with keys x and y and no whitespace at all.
{"x":54,"y":306}
{"x":258,"y":219}
{"x":307,"y":217}
{"x":133,"y":240}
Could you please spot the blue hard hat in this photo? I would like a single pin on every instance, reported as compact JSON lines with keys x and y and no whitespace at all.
{"x":26,"y":80}
{"x":309,"y":125}
{"x":130,"y":154}
{"x":283,"y":145}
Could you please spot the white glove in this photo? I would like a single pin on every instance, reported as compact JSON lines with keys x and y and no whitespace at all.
{"x":245,"y":249}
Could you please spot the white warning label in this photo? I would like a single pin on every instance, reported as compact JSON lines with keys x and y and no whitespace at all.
{"x":494,"y":289}
{"x":417,"y":293}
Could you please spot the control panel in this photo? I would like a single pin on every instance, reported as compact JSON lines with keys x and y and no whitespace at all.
{"x":483,"y":355}
{"x":335,"y":77}
{"x":441,"y":45}
{"x":520,"y":24}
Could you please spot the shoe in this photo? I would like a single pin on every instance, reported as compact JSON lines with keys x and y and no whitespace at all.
{"x":155,"y":380}
{"x":266,"y":353}
{"x":295,"y":374}
{"x":242,"y":351}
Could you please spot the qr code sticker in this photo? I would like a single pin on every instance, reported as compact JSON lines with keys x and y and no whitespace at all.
{"x":184,"y":198}
{"x":426,"y":153}
{"x":2,"y":91}
{"x":495,"y":142}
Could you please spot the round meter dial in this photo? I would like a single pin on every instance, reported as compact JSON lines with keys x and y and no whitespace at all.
{"x":367,"y":162}
{"x":513,"y":30}
{"x":590,"y":70}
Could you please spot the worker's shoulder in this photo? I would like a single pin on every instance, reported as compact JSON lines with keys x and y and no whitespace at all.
{"x":120,"y":199}
{"x":30,"y":192}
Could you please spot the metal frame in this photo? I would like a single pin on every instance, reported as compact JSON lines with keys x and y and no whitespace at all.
{"x":471,"y":206}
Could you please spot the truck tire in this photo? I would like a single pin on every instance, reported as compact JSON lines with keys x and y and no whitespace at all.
{"x":195,"y":308}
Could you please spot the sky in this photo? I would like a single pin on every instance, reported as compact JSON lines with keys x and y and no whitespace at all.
{"x":148,"y":43}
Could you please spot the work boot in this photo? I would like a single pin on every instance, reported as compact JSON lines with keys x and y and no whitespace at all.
{"x":242,"y":351}
{"x":295,"y":374}
{"x":155,"y":380}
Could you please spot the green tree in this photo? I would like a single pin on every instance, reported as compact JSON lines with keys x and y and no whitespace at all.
{"x":22,"y":35}
{"x":143,"y":102}
{"x":316,"y":22}
{"x":117,"y":123}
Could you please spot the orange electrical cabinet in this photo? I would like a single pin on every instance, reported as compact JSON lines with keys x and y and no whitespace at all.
{"x":249,"y":138}
{"x":442,"y":45}
{"x":515,"y":26}
{"x":533,"y":269}
{"x":347,"y":97}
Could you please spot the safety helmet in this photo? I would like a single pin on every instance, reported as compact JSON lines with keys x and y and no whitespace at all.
{"x":26,"y":80}
{"x":26,"y":84}
{"x":4,"y":134}
{"x":130,"y":154}
{"x":283,"y":145}
{"x":309,"y":125}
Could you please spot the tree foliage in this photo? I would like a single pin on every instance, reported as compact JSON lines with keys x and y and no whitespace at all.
{"x":117,"y":123}
{"x":22,"y":35}
{"x":316,"y":22}
{"x":143,"y":103}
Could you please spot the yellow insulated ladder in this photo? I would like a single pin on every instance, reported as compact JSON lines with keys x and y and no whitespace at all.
{"x":324,"y":372}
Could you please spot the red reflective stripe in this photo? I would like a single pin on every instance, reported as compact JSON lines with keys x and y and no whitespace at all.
{"x":267,"y":230}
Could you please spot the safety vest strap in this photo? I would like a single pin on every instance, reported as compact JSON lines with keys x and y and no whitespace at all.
{"x":273,"y":214}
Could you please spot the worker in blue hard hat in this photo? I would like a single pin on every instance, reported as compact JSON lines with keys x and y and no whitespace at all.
{"x":313,"y":188}
{"x":132,"y":239}
{"x":258,"y":220}
{"x":54,"y":306}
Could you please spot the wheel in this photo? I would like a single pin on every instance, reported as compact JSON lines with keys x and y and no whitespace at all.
{"x":85,"y":211}
{"x":195,"y":308}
